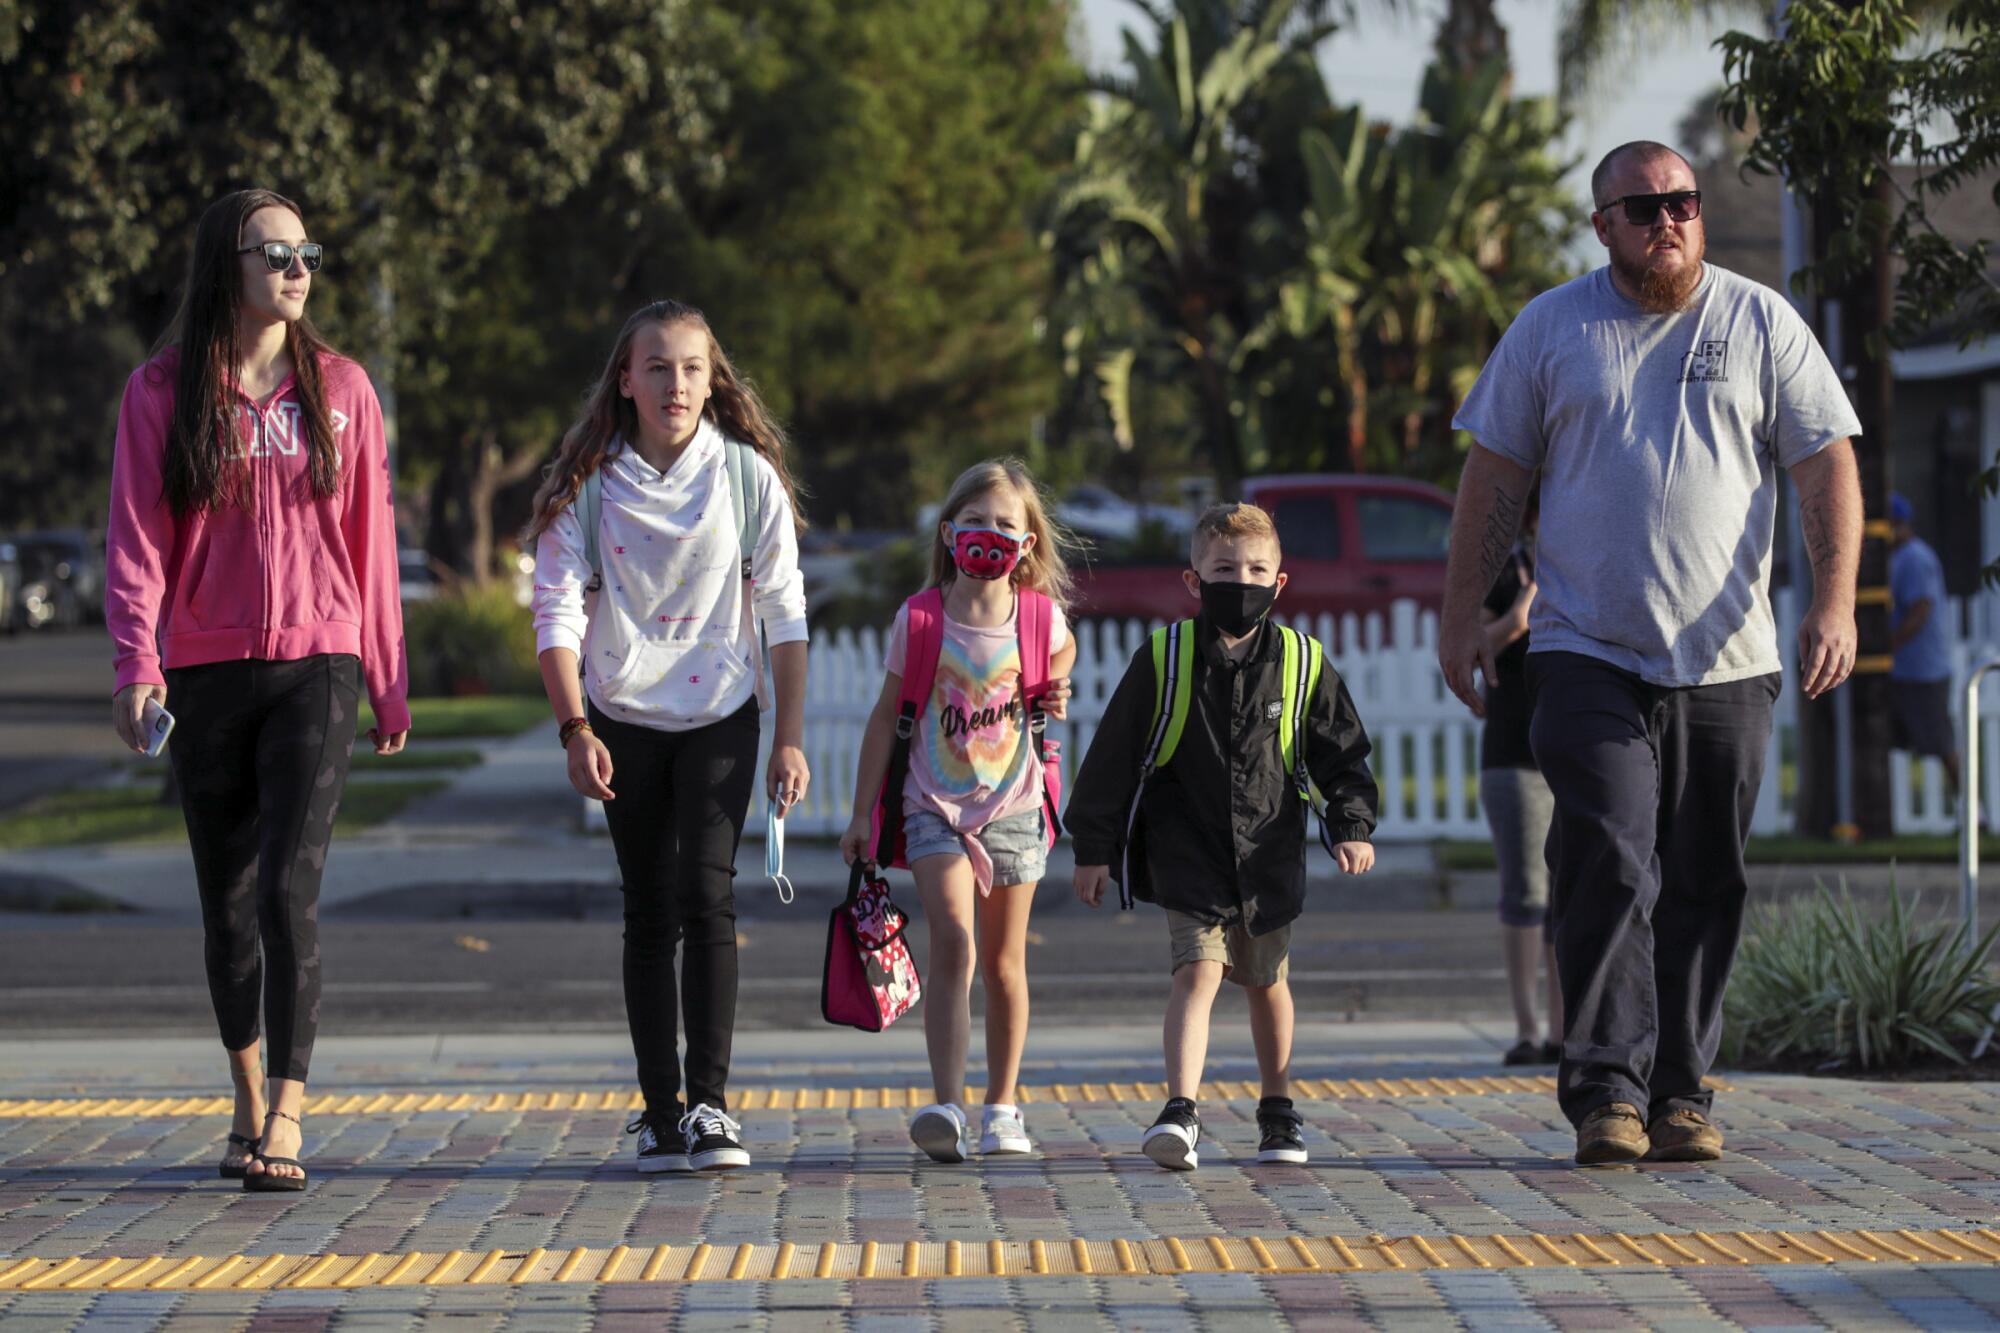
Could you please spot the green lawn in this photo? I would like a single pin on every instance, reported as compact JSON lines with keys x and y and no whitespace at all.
{"x":477,"y":717}
{"x":87,"y":816}
{"x":413,"y":759}
{"x":1455,"y":855}
{"x":1787,"y":778}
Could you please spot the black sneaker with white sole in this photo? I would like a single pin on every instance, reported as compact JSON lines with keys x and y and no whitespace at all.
{"x":660,"y":1146}
{"x":712,"y":1142}
{"x":1172,"y":1139}
{"x":1280,"y":1131}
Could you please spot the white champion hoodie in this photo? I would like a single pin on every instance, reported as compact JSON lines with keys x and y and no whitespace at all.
{"x":668,"y":644}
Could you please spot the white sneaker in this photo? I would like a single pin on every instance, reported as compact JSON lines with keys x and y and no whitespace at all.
{"x":940,"y":1131}
{"x":712,"y":1140}
{"x":1001,"y":1131}
{"x":659,"y":1148}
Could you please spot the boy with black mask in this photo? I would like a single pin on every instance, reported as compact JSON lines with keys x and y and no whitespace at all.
{"x":1225,"y":735}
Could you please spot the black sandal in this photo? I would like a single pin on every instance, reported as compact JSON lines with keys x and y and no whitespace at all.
{"x":236,"y":1140}
{"x":266,"y":1182}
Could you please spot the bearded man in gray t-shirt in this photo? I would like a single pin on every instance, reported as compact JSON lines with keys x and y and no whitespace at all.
{"x":1652,"y":401}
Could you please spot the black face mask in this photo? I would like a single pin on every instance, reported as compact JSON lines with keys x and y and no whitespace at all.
{"x":1235,"y":608}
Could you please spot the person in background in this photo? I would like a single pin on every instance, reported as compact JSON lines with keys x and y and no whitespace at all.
{"x":1920,"y":636}
{"x":1517,"y":804}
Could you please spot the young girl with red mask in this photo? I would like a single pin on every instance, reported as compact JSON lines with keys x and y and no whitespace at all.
{"x":975,"y":819}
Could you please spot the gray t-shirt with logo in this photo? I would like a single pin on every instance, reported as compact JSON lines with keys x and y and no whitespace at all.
{"x":1658,"y":437}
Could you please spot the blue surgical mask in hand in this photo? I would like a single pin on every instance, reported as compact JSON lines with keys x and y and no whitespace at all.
{"x":774,"y":850}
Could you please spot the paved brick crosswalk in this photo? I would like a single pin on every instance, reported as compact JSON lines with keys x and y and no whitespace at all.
{"x":489,"y":1179}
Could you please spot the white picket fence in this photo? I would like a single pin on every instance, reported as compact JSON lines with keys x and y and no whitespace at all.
{"x":1426,"y":743}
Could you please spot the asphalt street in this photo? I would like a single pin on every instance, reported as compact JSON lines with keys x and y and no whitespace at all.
{"x":95,"y":974}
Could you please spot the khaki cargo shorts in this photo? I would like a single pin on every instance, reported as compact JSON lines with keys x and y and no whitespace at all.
{"x":1251,"y":960}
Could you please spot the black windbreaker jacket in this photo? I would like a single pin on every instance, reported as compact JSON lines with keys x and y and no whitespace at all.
{"x":1221,"y":832}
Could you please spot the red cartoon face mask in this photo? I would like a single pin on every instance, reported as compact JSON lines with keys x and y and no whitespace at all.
{"x":985,"y":553}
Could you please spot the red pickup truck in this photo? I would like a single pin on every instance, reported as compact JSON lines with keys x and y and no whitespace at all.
{"x":1352,"y":543}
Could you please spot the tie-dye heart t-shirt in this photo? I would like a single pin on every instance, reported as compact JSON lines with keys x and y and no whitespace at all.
{"x":971,"y":759}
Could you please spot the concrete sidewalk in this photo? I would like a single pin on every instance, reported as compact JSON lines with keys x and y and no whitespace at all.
{"x":512,"y":820}
{"x":1841,"y":1205}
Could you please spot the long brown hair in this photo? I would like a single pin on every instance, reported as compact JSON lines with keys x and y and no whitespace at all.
{"x":609,"y":417}
{"x":207,"y":465}
{"x":1045,"y":567}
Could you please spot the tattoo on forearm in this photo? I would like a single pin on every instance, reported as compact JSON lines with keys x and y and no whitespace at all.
{"x":1818,"y":533}
{"x":1497,"y":542}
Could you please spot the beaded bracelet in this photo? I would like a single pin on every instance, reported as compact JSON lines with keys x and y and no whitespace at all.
{"x":571,"y":727}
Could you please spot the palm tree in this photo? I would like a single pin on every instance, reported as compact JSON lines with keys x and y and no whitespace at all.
{"x":1158,"y":204}
{"x":1421,"y":246}
{"x":1322,"y":288}
{"x":1590,"y":33}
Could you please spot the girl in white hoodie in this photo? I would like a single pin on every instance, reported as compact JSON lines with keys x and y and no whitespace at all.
{"x":664,"y":622}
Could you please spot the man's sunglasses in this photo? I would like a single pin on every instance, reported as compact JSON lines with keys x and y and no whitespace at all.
{"x":1642,"y":210}
{"x":278,"y":255}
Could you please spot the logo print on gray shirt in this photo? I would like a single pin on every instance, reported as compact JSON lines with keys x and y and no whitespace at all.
{"x":1708,"y":364}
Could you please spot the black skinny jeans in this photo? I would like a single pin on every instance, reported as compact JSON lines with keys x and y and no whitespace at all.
{"x":1654,"y":791}
{"x":260,"y":752}
{"x":680,"y":801}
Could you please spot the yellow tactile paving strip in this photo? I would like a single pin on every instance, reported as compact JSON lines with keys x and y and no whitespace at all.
{"x":996,"y":1258}
{"x":772,"y":1099}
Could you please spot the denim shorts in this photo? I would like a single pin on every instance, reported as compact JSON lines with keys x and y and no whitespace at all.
{"x":1018,"y":844}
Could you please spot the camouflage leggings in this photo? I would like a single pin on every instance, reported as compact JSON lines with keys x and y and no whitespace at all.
{"x":260,"y":750}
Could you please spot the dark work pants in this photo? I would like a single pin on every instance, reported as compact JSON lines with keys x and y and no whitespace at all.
{"x":260,"y":753}
{"x":680,"y":798}
{"x":1654,"y":791}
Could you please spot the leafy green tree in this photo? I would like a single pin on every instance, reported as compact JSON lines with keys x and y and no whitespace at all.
{"x":869,"y":252}
{"x":1840,"y":98}
{"x":1837,"y":98}
{"x":845,"y":187}
{"x":409,"y":135}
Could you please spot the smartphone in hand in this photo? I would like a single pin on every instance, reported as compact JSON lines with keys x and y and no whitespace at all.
{"x":156,"y":723}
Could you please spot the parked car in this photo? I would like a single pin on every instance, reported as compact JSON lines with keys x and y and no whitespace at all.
{"x":418,"y":581}
{"x":1097,"y":511}
{"x":62,"y":579}
{"x":10,"y":588}
{"x":1352,"y":543}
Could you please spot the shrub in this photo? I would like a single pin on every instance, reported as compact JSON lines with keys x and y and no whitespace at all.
{"x":471,"y":639}
{"x":1822,"y":982}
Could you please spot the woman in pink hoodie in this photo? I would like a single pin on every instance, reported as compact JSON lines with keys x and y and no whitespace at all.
{"x":251,"y":590}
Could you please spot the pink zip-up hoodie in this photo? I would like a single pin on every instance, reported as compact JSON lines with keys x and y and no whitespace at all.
{"x":291,"y":576}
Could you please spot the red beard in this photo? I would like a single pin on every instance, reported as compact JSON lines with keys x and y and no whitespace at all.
{"x":1666,"y":291}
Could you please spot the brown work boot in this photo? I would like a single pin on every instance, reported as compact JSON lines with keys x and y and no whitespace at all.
{"x":1611,"y":1133}
{"x":1684,"y":1136}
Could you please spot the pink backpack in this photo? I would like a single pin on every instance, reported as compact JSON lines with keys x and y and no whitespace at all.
{"x":924,"y":621}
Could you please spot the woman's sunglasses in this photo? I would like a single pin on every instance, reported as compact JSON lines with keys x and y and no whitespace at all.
{"x":278,"y":255}
{"x":1642,"y":209}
